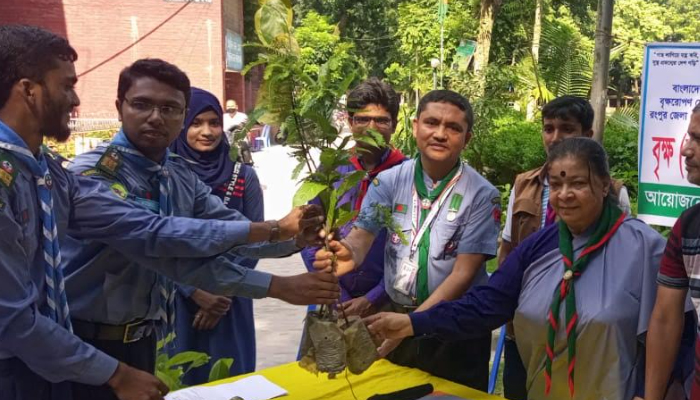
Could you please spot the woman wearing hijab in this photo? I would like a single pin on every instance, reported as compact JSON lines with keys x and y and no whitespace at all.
{"x":580,"y":292}
{"x":218,"y":326}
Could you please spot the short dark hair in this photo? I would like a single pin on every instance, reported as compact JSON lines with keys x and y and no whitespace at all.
{"x":588,"y":151}
{"x":157,"y":69}
{"x":29,"y":52}
{"x":374,"y":91}
{"x":448,"y":96}
{"x":570,"y":108}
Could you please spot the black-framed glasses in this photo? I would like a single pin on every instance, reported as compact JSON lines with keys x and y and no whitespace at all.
{"x":145,"y":107}
{"x":364,"y":120}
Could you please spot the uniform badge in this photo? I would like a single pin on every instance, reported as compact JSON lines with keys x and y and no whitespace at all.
{"x":455,"y":204}
{"x":8,"y":172}
{"x":375,"y":181}
{"x":496,"y":200}
{"x":497,"y":215}
{"x":426,"y":203}
{"x":110,"y":161}
{"x":395,"y":238}
{"x":400,"y":208}
{"x":48,"y":181}
{"x":119,"y":190}
{"x":450,"y":247}
{"x":90,"y":172}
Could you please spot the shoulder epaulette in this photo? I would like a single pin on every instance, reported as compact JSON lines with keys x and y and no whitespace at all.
{"x":110,"y":162}
{"x":8,"y":169}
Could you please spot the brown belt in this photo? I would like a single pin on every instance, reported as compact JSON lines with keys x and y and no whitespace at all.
{"x":128,"y":333}
{"x":401,"y":308}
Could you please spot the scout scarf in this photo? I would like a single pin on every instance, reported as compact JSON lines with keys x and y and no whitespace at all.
{"x":609,"y":221}
{"x":55,"y":286}
{"x":166,"y":288}
{"x":393,"y":158}
{"x":428,"y":207}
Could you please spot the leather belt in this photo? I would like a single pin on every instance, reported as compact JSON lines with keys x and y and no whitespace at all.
{"x":402,"y":308}
{"x":129,"y":333}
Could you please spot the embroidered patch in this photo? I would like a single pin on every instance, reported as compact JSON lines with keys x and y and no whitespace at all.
{"x":110,"y":161}
{"x":8,"y":172}
{"x":496,"y":200}
{"x":395,"y":238}
{"x":400,"y":208}
{"x":119,"y":190}
{"x":375,"y":181}
{"x":90,"y":172}
{"x":48,"y":181}
{"x":497,"y":215}
{"x":450,"y":247}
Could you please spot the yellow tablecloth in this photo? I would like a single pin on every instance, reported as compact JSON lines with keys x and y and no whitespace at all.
{"x":382,"y":377}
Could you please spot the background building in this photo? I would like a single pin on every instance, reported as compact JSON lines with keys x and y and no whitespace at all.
{"x":202,"y":37}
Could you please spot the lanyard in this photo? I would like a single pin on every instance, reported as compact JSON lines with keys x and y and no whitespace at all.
{"x":434,"y":209}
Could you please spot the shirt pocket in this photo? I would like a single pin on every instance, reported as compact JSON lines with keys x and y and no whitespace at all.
{"x":525,"y":218}
{"x":395,"y":247}
{"x":448,"y":235}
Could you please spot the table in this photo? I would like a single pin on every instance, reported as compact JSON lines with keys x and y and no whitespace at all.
{"x":381,"y":377}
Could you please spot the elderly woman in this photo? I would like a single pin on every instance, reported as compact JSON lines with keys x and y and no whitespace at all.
{"x":219,"y":326}
{"x":580,"y":292}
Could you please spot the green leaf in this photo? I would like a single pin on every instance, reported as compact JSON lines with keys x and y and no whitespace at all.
{"x":328,"y":157}
{"x":171,"y":378}
{"x":307,"y":192}
{"x":252,"y":65}
{"x":297,"y":169}
{"x":221,"y":369}
{"x":193,"y":358}
{"x":344,"y":216}
{"x":367,"y":139}
{"x":350,"y":181}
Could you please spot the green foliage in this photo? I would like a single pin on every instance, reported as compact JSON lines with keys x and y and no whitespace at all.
{"x":171,"y":369}
{"x":403,"y":138}
{"x":620,"y":142}
{"x":511,"y":147}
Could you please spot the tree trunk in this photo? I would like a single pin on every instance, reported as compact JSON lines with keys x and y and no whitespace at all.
{"x":536,"y":36}
{"x":487,"y":15}
{"x":601,"y":66}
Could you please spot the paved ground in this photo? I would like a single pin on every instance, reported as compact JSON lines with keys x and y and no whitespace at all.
{"x":278,"y":325}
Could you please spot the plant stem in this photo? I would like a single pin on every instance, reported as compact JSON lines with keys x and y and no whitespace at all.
{"x":302,"y":134}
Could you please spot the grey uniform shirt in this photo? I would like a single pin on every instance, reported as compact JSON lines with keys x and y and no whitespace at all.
{"x":474,"y":228}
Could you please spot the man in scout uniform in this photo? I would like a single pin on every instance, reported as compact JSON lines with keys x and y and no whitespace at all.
{"x":40,"y":203}
{"x":448,"y":217}
{"x":529,"y":210}
{"x":373,"y":104}
{"x":117,"y":304}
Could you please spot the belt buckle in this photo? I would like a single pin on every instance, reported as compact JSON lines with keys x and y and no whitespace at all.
{"x":135,"y":331}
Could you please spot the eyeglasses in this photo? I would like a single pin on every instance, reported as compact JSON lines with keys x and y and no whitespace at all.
{"x":362,"y":120}
{"x":144,"y":107}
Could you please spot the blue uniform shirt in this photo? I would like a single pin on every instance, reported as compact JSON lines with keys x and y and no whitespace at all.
{"x":472,"y":228}
{"x":107,"y":287}
{"x":83,"y":208}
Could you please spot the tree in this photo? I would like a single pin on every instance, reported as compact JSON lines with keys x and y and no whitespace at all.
{"x":601,"y":66}
{"x":487,"y":14}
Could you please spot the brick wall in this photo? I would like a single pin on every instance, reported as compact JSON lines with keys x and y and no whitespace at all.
{"x":99,"y":29}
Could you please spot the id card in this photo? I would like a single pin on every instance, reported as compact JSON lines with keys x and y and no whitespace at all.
{"x":406,"y":277}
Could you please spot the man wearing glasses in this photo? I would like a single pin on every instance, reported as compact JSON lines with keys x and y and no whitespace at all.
{"x":373,"y":104}
{"x":119,"y":306}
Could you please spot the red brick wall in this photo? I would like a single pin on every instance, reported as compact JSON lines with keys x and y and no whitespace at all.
{"x":98,"y":29}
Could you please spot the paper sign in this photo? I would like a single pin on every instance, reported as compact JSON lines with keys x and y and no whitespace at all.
{"x":256,"y":387}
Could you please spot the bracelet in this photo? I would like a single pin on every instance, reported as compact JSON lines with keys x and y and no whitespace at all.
{"x":274,"y":231}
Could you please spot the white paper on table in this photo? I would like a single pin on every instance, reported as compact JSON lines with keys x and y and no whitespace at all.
{"x":256,"y":387}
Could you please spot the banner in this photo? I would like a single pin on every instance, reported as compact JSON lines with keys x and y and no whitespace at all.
{"x":671,"y":88}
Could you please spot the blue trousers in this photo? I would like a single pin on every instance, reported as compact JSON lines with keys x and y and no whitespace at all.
{"x":18,"y":382}
{"x":514,"y":373}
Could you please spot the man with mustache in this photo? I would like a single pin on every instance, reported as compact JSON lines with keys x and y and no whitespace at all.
{"x":40,"y":203}
{"x":450,"y":218}
{"x":680,"y":270}
{"x":119,"y":305}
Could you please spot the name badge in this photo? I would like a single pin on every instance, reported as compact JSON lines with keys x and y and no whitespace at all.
{"x":405,"y":282}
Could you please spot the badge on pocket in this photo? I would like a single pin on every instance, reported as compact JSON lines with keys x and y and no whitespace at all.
{"x":405,"y":282}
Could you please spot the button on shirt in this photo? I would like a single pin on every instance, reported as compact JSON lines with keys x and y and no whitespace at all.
{"x":472,"y":230}
{"x":105,"y":286}
{"x":83,"y":208}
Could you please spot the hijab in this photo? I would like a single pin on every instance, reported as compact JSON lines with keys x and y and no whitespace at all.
{"x":214,"y":167}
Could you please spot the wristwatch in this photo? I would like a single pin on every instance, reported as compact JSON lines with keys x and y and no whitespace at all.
{"x":274,"y":231}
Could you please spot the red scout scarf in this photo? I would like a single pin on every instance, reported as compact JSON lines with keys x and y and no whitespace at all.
{"x":395,"y":157}
{"x":610,"y":220}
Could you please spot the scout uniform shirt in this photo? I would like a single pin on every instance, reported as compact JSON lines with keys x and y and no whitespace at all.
{"x":105,"y":286}
{"x":83,"y":208}
{"x":467,"y":223}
